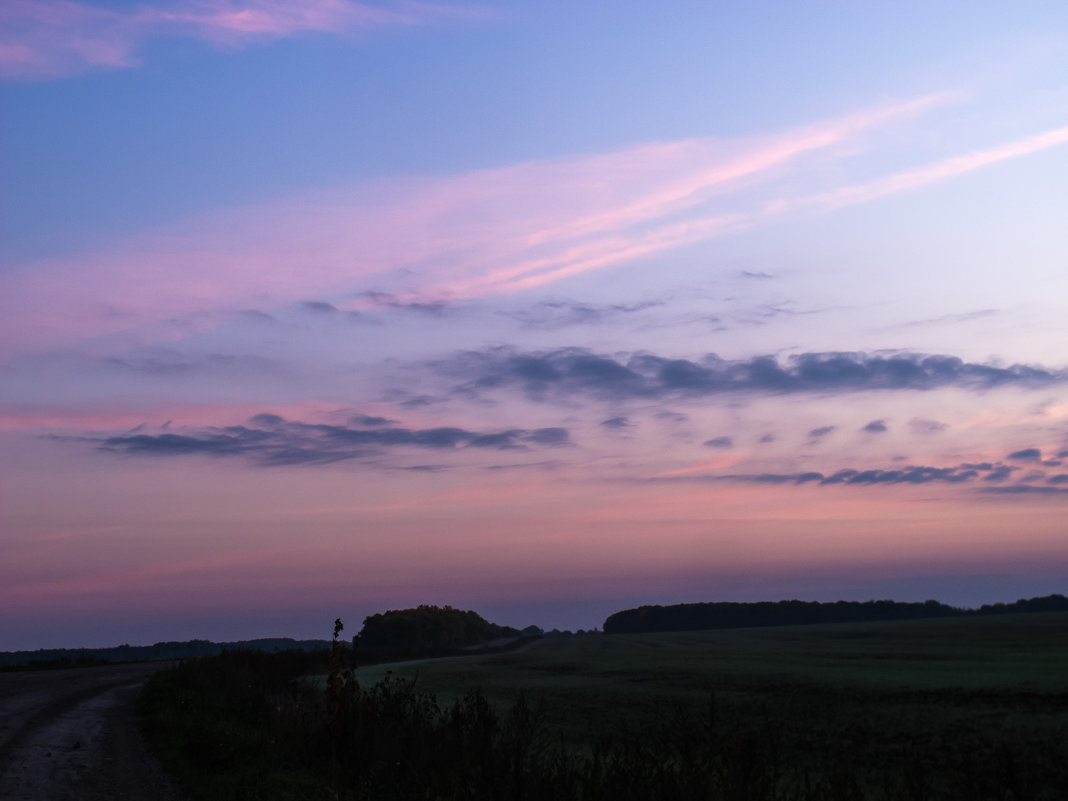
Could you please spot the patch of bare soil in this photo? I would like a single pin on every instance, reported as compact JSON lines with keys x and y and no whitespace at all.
{"x":72,"y":735}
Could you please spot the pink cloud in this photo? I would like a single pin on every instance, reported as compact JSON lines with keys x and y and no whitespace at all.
{"x":482,"y":233}
{"x":718,"y":464}
{"x":54,"y":38}
{"x":939,"y":171}
{"x":57,"y":37}
{"x":694,"y":187}
{"x":612,"y":243}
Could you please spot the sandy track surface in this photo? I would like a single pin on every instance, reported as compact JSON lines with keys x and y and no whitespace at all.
{"x":72,"y":735}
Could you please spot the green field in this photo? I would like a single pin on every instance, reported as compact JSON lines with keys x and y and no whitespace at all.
{"x":930,"y":695}
{"x":1013,"y":654}
{"x":958,"y":709}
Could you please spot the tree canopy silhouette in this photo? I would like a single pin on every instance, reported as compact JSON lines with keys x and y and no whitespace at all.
{"x":429,"y":628}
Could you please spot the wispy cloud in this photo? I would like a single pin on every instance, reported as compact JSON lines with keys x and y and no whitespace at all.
{"x":939,"y":171}
{"x":270,"y":439}
{"x":987,"y":477}
{"x":552,"y":314}
{"x":418,"y":244}
{"x":638,"y":226}
{"x":950,"y":319}
{"x":54,"y":38}
{"x":651,"y":226}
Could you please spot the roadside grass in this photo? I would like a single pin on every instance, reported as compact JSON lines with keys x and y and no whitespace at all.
{"x":964,"y":708}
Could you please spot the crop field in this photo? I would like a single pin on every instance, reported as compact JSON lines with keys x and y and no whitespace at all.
{"x":1010,"y":655}
{"x":964,"y":709}
{"x":932,"y":695}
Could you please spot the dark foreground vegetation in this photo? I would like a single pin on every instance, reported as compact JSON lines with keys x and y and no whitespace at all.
{"x":57,"y":658}
{"x":962,"y":708}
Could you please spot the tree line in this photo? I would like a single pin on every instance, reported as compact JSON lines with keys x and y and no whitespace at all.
{"x":725,"y":614}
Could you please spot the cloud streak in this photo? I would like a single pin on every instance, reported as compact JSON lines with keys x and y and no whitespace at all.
{"x":989,"y":477}
{"x":55,"y":38}
{"x":415,"y":245}
{"x":580,"y":372}
{"x":271,"y":440}
{"x":405,"y":243}
{"x":646,"y":227}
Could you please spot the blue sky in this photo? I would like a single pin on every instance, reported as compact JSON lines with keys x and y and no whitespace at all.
{"x":524,"y":274}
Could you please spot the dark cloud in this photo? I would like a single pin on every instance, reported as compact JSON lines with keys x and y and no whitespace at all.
{"x":550,"y":436}
{"x":257,"y":316}
{"x":1000,"y":473}
{"x":1035,"y":455}
{"x":502,"y":441}
{"x":925,"y":427}
{"x":385,"y":300}
{"x":756,"y":275}
{"x":907,"y":475}
{"x":952,"y":318}
{"x":851,"y":477}
{"x":671,"y":417}
{"x":563,"y":313}
{"x":525,"y":466}
{"x":319,"y":307}
{"x":1024,"y":489}
{"x":767,"y":438}
{"x":234,"y":440}
{"x":964,"y":473}
{"x":155,"y":364}
{"x":616,"y":422}
{"x":875,"y":427}
{"x":273,"y":440}
{"x":1027,"y":455}
{"x":816,"y":434}
{"x":267,"y":420}
{"x":764,"y":478}
{"x":769,"y":311}
{"x":366,"y":420}
{"x":644,"y":375}
{"x":720,"y":442}
{"x":164,"y":362}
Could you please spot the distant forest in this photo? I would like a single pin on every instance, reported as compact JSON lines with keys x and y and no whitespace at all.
{"x":397,"y":634}
{"x":443,"y":631}
{"x":727,"y":615}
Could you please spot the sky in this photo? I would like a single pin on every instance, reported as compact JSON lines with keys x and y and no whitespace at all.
{"x":543,"y":309}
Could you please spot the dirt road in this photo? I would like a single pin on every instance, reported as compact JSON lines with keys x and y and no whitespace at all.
{"x":71,"y":735}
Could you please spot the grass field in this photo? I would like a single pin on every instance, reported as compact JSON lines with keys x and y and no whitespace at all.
{"x":997,"y":654}
{"x":939,"y":694}
{"x":964,"y":709}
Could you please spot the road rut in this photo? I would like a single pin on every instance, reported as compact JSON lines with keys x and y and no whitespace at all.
{"x":72,"y":735}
